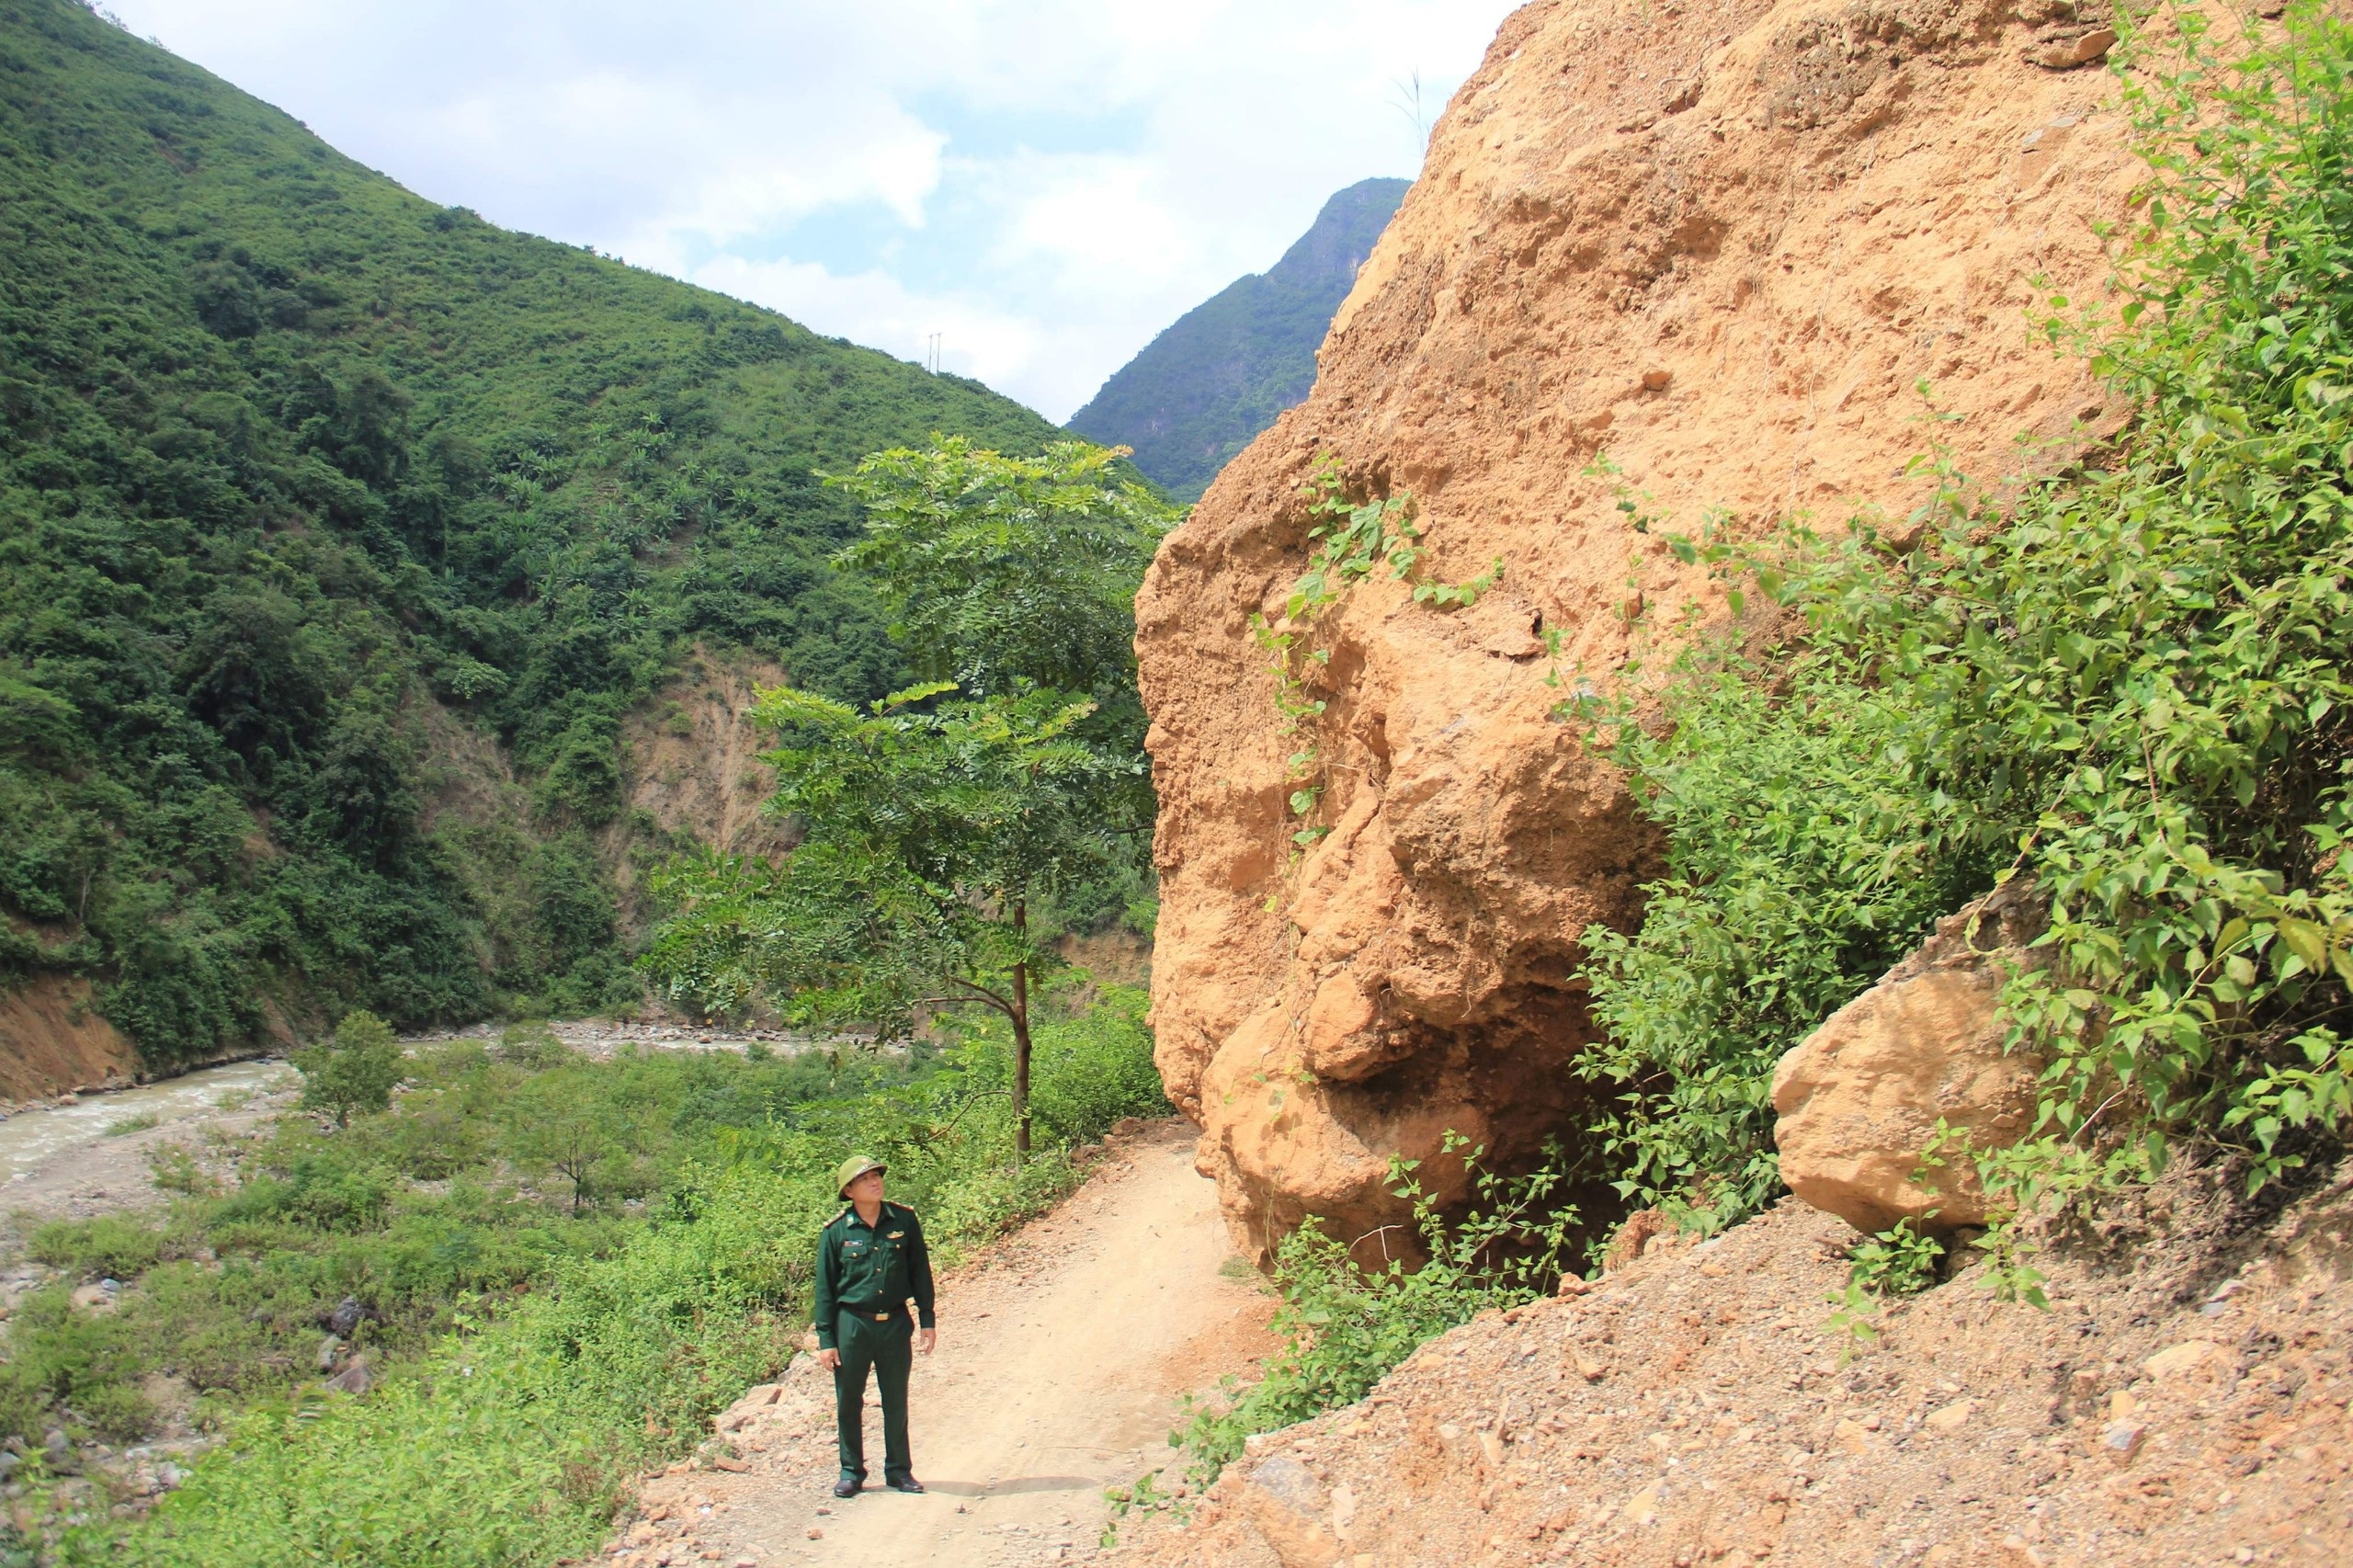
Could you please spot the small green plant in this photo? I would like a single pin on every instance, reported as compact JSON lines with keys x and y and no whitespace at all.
{"x":1145,"y":1495}
{"x":139,"y":1122}
{"x":112,"y":1245}
{"x":173,"y":1168}
{"x":353,"y":1071}
{"x":1299,"y":711}
{"x":532,"y":1045}
{"x":1898,"y":1262}
{"x":1352,"y":540}
{"x":1460,"y":595}
{"x":1347,"y":1323}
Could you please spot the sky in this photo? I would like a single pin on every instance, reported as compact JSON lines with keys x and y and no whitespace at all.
{"x":1044,"y":184}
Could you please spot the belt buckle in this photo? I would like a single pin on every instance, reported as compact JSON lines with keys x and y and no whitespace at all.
{"x":882,"y":1317}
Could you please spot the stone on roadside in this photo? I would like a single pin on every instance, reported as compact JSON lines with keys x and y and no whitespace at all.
{"x":355,"y":1379}
{"x":2174,"y":1360}
{"x":1858,"y":1099}
{"x":1951,"y":1418}
{"x":1287,"y":1504}
{"x":2122,"y":1440}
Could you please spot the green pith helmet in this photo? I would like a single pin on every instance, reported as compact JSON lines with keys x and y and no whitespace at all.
{"x":853,"y":1167}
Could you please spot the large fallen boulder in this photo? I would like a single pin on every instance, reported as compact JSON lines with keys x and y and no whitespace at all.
{"x":1721,"y":242}
{"x":1859,"y":1099}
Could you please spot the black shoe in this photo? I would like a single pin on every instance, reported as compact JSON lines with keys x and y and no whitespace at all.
{"x":847,"y":1486}
{"x":907,"y":1483}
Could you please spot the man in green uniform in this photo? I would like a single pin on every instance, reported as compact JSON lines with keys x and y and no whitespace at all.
{"x":870,"y":1259}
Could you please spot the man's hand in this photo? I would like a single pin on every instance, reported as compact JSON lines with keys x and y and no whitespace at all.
{"x":924,"y":1340}
{"x":829,"y":1358}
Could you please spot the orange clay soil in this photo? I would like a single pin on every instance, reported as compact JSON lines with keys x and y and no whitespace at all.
{"x":2184,"y":1401}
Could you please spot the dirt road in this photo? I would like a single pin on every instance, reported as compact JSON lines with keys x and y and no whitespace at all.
{"x":1062,"y":1360}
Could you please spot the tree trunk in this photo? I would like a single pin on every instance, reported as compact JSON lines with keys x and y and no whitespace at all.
{"x":1020,"y":1041}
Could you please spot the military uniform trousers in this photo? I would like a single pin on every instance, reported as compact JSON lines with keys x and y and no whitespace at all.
{"x":888,"y":1349}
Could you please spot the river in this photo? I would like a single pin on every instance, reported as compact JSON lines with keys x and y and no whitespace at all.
{"x":32,"y":1139}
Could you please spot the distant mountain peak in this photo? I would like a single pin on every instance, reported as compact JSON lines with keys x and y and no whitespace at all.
{"x":1203,"y":389}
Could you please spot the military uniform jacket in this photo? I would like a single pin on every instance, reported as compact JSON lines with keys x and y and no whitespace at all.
{"x":871,"y":1269}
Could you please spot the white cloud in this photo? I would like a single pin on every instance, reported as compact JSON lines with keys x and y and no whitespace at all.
{"x":990,"y":345}
{"x":1048,"y":183}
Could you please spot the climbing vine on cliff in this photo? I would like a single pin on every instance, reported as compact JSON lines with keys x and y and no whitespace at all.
{"x":2130,"y":685}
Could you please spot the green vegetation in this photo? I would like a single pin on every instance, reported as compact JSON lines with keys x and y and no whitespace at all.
{"x":308,"y":487}
{"x":558,"y":1268}
{"x":1201,"y":391}
{"x":353,"y":1069}
{"x":2129,"y":684}
{"x":940,"y":822}
{"x":1899,"y":1262}
{"x":1798,"y":877}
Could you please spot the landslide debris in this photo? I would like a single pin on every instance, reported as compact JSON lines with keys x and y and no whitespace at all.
{"x":2183,"y":1401}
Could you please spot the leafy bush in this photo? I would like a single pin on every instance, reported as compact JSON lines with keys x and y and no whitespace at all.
{"x":357,"y":1070}
{"x":111,"y":1245}
{"x":1095,"y":1068}
{"x":116,"y":1412}
{"x":2130,"y":685}
{"x":1800,"y":872}
{"x":532,"y":1045}
{"x":61,"y":1360}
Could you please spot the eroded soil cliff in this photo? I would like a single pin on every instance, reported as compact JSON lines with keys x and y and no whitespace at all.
{"x":1719,"y":242}
{"x":53,"y":1040}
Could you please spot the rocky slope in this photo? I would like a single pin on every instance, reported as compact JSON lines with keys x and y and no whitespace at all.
{"x":1719,"y":243}
{"x":2183,"y":1401}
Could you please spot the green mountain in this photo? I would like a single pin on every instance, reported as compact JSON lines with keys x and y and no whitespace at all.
{"x":309,"y":486}
{"x":1203,"y":390}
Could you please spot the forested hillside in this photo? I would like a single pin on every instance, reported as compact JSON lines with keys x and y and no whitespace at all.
{"x":302,"y":478}
{"x":1203,"y":390}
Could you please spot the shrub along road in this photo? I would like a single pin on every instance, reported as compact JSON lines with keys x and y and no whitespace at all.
{"x":1063,"y":1355}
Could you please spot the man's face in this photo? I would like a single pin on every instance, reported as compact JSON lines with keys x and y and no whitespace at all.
{"x":867,"y":1188}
